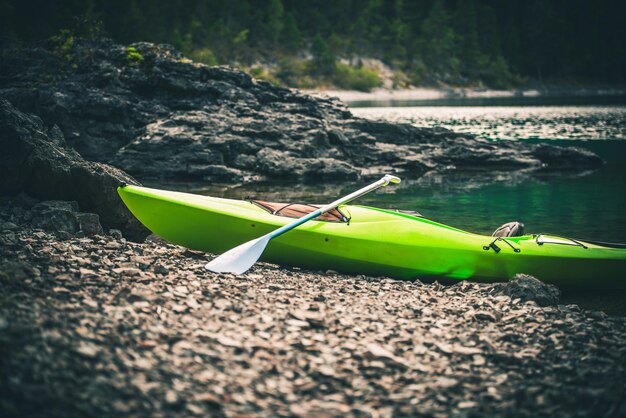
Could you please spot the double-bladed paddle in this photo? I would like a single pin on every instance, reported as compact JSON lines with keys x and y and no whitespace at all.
{"x":239,"y":259}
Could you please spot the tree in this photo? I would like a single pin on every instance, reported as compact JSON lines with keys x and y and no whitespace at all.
{"x":274,"y":20}
{"x":290,"y":35}
{"x":323,"y":58}
{"x":471,"y":58}
{"x":438,"y":42}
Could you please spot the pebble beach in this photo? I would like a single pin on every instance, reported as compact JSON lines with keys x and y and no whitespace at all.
{"x":95,"y":325}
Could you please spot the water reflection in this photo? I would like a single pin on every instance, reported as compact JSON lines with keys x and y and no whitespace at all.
{"x":512,"y":122}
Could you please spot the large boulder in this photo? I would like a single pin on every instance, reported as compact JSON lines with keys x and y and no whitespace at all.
{"x":164,"y":116}
{"x":35,"y":160}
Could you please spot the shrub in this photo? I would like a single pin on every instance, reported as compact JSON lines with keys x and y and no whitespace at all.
{"x":133,"y":56}
{"x":497,"y":73}
{"x":203,"y":55}
{"x":291,"y":72}
{"x":263,"y":74}
{"x":64,"y":44}
{"x":355,"y":78}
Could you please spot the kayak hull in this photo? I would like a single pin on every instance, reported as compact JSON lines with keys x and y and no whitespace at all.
{"x":375,"y":242}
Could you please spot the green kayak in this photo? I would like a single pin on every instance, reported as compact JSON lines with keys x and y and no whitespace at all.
{"x":375,"y":242}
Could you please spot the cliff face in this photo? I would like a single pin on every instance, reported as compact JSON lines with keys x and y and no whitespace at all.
{"x":160,"y":115}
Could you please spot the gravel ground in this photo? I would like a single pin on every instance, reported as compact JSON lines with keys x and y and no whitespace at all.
{"x":98,"y":326}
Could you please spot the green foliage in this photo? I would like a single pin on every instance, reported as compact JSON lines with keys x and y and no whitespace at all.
{"x":204,"y":56}
{"x":305,"y":74}
{"x":323,"y":58}
{"x":438,"y":42}
{"x":64,"y":44}
{"x":241,"y":37}
{"x":471,"y":57}
{"x":273,"y":20}
{"x":497,"y":73}
{"x":417,"y":73}
{"x":261,"y":73}
{"x":87,"y":25}
{"x":291,"y":37}
{"x":454,"y":41}
{"x":133,"y":56}
{"x":182,"y":41}
{"x":294,"y":73}
{"x":355,"y":78}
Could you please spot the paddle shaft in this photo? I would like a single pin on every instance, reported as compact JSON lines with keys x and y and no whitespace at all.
{"x":382,"y":182}
{"x":239,"y":259}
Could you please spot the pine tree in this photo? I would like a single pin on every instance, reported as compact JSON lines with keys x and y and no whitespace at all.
{"x":274,"y":20}
{"x":290,"y":35}
{"x":438,"y":42}
{"x":323,"y":58}
{"x":468,"y":47}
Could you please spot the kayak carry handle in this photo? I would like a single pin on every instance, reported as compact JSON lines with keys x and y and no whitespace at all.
{"x":497,"y":249}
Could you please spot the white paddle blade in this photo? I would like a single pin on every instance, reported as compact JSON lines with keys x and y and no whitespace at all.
{"x":239,"y":259}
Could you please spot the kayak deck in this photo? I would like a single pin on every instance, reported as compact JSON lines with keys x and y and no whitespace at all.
{"x":375,"y":242}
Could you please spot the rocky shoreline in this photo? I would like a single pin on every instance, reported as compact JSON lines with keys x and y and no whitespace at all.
{"x":100,"y":326}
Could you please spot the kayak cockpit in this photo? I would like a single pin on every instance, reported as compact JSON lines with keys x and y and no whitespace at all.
{"x":298,"y":210}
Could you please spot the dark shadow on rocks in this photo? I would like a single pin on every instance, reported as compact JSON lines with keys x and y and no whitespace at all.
{"x":36,"y":161}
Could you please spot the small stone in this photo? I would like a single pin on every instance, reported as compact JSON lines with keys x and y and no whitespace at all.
{"x":160,"y":269}
{"x":228,"y":342}
{"x":143,"y":364}
{"x":89,"y":223}
{"x":181,"y":289}
{"x":207,"y":398}
{"x":327,"y":371}
{"x":297,"y":323}
{"x":195,"y":409}
{"x":121,"y":406}
{"x":479,"y":360}
{"x":88,"y":350}
{"x":484,"y":316}
{"x":55,"y":215}
{"x":446,"y":382}
{"x":171,"y":397}
{"x":127,"y":271}
{"x":375,"y":351}
{"x":86,"y":273}
{"x":178,"y":308}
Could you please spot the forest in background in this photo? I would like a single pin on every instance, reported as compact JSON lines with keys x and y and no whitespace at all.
{"x":317,"y":43}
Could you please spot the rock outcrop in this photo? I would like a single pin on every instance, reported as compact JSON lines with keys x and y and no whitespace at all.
{"x":164,"y":116}
{"x":35,"y":160}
